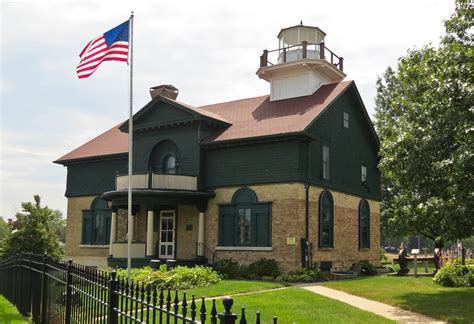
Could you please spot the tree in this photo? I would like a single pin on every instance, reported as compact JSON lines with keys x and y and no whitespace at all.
{"x":35,"y":231}
{"x":424,"y":112}
{"x":4,"y":232}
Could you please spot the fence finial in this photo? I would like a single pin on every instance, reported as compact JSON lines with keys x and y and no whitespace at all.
{"x":228,"y":302}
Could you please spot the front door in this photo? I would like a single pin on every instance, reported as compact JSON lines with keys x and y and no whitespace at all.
{"x":167,"y":236}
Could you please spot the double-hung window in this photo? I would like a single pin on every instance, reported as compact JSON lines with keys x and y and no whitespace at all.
{"x":363,"y":173}
{"x":345,"y":120}
{"x":326,"y":162}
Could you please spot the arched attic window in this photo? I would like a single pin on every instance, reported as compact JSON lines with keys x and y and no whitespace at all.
{"x":245,"y":221}
{"x":164,"y":158}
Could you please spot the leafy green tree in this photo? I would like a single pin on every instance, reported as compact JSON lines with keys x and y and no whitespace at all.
{"x":4,"y":229}
{"x":35,"y":231}
{"x":424,"y":112}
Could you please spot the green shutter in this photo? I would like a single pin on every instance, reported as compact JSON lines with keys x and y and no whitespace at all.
{"x":226,"y":225}
{"x":86,"y":227}
{"x":262,"y":216}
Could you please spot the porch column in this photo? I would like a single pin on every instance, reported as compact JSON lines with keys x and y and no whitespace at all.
{"x":200,"y":241}
{"x":149,"y":234}
{"x":113,"y":230}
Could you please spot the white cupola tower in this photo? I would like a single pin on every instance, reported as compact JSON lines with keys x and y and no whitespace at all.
{"x":301,"y":64}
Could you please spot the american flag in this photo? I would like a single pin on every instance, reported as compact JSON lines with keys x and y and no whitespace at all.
{"x":111,"y":46}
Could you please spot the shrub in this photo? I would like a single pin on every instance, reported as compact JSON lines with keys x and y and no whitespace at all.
{"x":176,"y":278}
{"x":453,"y":274}
{"x":186,"y":278}
{"x":383,"y":256}
{"x":262,"y":268}
{"x":302,"y":275}
{"x":368,"y":269}
{"x":227,"y":268}
{"x":393,"y":267}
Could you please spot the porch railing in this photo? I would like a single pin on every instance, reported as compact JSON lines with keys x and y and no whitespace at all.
{"x":305,"y":50}
{"x":152,"y":180}
{"x":64,"y":292}
{"x":203,"y":250}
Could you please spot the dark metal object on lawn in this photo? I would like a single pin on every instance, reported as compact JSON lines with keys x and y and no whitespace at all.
{"x":403,"y":261}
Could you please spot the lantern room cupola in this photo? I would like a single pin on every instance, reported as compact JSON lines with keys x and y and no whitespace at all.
{"x":301,"y":64}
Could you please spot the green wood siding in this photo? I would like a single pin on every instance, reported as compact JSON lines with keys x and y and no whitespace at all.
{"x":94,"y":178}
{"x":256,"y":163}
{"x":349,"y":148}
{"x":186,"y":139}
{"x":161,"y":113}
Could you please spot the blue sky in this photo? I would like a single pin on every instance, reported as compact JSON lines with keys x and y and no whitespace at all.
{"x":209,"y":50}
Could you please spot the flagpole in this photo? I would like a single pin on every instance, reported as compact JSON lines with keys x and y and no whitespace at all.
{"x":130,"y":153}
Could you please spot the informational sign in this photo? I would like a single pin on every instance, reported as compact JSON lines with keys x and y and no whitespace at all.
{"x":415,"y":251}
{"x":291,"y":240}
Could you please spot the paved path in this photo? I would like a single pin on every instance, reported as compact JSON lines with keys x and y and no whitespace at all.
{"x":387,"y":311}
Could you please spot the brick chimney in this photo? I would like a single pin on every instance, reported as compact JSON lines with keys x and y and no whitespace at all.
{"x":164,"y":90}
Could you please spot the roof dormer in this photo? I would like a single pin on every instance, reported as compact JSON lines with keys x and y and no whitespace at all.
{"x":301,"y":64}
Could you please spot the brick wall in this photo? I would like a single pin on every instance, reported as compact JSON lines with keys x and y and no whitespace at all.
{"x":288,"y":222}
{"x":188,"y":216}
{"x":74,"y":248}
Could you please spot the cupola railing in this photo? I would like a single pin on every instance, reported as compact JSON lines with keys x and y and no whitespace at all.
{"x":305,"y":50}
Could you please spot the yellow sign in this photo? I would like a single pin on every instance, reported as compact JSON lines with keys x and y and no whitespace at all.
{"x":290,"y":240}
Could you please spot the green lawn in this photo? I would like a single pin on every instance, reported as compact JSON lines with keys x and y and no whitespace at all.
{"x":9,"y":313}
{"x":419,"y":295}
{"x":232,"y":287}
{"x":295,"y":305}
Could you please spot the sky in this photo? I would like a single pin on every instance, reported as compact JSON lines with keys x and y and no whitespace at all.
{"x":209,"y":50}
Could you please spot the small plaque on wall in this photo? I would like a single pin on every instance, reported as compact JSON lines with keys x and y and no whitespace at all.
{"x":290,"y":240}
{"x":189,"y":227}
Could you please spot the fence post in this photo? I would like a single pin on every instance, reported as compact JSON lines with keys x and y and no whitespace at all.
{"x":113,"y":299}
{"x":68,"y":292}
{"x":44,"y":291}
{"x":227,"y":317}
{"x":30,"y":291}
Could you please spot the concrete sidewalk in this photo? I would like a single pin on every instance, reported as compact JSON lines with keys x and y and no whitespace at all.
{"x":390,"y":312}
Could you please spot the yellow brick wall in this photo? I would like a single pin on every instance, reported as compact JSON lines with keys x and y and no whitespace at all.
{"x":186,"y":240}
{"x":74,"y":248}
{"x":288,"y":221}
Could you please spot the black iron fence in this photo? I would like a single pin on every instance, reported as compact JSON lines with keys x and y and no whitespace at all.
{"x":63,"y":292}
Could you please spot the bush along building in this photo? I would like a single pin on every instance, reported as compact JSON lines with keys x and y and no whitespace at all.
{"x":290,"y":176}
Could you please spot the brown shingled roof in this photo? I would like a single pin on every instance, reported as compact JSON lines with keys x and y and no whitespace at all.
{"x":252,"y":117}
{"x":259,"y":116}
